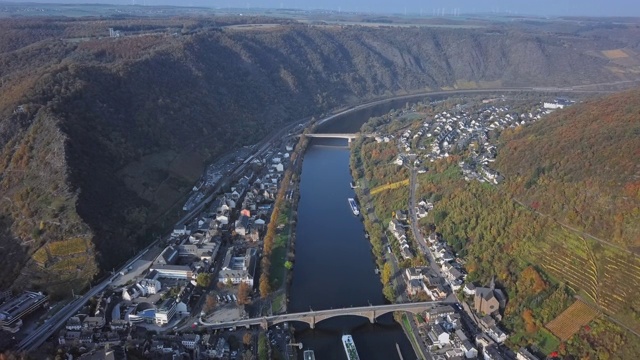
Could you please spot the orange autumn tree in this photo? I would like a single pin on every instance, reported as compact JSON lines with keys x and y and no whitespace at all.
{"x":530,"y":281}
{"x":529,"y":322}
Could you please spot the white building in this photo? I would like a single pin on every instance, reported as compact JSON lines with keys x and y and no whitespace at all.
{"x":470,"y":352}
{"x":151,"y":286}
{"x":190,"y":340}
{"x":237,"y":269}
{"x":166,"y":311}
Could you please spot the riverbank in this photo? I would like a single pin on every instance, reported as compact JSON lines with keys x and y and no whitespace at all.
{"x":279,"y":242}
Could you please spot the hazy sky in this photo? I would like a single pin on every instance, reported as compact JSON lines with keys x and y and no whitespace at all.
{"x":426,"y":7}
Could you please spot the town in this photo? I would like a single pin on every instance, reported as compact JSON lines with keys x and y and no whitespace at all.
{"x":206,"y":271}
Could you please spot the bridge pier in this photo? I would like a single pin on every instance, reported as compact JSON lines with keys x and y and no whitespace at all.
{"x":372,"y":317}
{"x":312,"y":323}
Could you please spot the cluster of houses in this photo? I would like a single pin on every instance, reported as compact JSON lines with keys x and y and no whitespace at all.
{"x":91,"y":329}
{"x":456,"y":130}
{"x":436,"y":284}
{"x":446,"y":337}
{"x":166,"y":290}
{"x":397,"y":227}
{"x":206,"y":346}
{"x":423,"y":208}
{"x":425,"y":279}
{"x":444,"y":333}
{"x":451,"y":267}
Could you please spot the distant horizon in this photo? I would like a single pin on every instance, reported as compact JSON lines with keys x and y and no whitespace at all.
{"x":542,"y":8}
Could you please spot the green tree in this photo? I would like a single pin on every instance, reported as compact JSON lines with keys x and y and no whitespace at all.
{"x":263,"y":350}
{"x":203,"y":280}
{"x":288,"y":264}
{"x":389,"y":293}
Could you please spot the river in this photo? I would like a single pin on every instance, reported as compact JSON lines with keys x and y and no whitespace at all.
{"x":334,"y":265}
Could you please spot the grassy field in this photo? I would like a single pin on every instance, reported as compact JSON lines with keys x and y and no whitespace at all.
{"x":546,"y":341}
{"x":571,"y":320}
{"x":279,"y":252}
{"x":277,"y":303}
{"x":412,"y":337}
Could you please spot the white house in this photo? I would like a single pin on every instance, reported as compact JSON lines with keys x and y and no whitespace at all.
{"x":438,"y":335}
{"x":190,"y":340}
{"x":469,"y":289}
{"x":496,"y":334}
{"x":470,"y":352}
{"x":74,"y":323}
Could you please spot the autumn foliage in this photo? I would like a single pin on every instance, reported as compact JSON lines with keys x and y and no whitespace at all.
{"x":529,"y":322}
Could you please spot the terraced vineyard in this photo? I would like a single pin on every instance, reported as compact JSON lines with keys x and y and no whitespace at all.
{"x":60,"y":249}
{"x":565,"y":325}
{"x":607,"y":277}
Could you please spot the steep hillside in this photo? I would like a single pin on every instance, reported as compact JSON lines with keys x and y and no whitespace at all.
{"x":566,"y":215}
{"x":100,"y":136}
{"x":581,"y":166}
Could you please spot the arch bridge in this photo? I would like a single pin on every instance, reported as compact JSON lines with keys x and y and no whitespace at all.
{"x":348,"y":136}
{"x":313,"y":317}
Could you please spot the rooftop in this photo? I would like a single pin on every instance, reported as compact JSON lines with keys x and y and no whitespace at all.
{"x":19,"y":305}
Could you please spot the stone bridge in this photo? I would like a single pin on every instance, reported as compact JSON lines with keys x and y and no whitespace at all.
{"x":338,"y":136}
{"x":314,"y":317}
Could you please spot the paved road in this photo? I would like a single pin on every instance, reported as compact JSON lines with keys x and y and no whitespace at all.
{"x":424,"y":351}
{"x":413,"y":185}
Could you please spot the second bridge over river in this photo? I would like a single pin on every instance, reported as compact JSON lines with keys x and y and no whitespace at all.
{"x":348,"y":136}
{"x":313,"y":317}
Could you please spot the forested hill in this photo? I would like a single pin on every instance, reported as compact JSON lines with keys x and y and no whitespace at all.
{"x":581,"y":166}
{"x":100,"y":136}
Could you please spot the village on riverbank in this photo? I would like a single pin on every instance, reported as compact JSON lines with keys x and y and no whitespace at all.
{"x":450,"y":138}
{"x":228,"y":261}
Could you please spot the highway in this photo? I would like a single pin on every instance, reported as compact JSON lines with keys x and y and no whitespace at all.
{"x":575,"y":89}
{"x":43,"y":332}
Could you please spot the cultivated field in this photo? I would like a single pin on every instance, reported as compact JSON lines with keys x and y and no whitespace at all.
{"x":615,"y":54}
{"x":571,"y":320}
